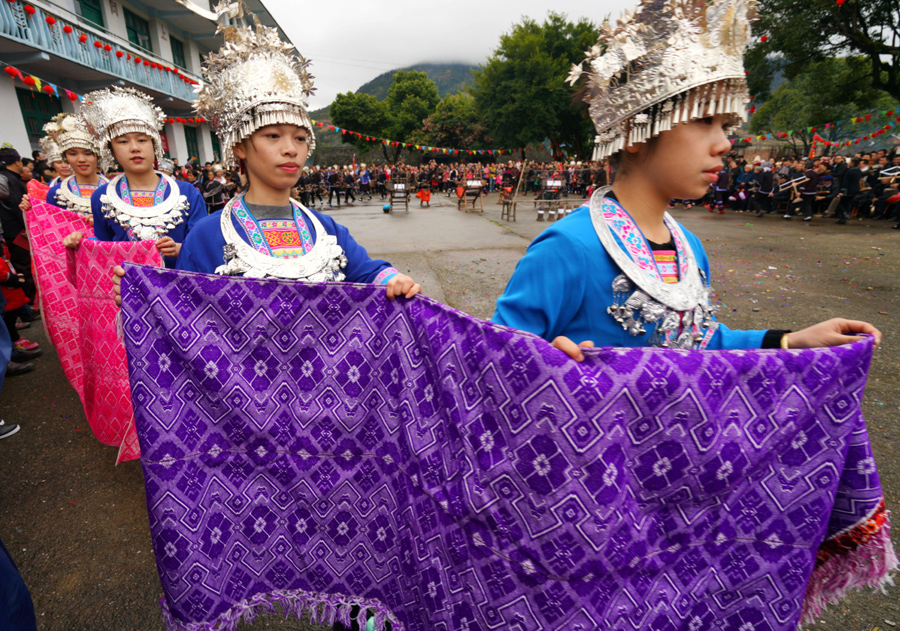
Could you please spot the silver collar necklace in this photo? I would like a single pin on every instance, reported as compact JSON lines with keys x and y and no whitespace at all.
{"x":323,"y":263}
{"x":152,"y":222}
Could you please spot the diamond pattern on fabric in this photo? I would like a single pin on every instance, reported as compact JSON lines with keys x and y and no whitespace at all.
{"x":458,"y":474}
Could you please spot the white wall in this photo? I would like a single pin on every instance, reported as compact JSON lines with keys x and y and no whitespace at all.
{"x":162,"y":47}
{"x":177,"y":143}
{"x":115,"y":18}
{"x":13,"y":130}
{"x":205,"y":142}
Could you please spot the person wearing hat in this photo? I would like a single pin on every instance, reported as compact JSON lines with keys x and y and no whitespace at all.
{"x":620,"y":271}
{"x":78,"y":147}
{"x":253,"y":94}
{"x":141,"y":203}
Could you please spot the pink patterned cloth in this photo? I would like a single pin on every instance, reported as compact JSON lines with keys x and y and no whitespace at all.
{"x":106,"y":392}
{"x":47,"y":226}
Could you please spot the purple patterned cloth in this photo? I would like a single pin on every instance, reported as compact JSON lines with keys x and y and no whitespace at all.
{"x":318,"y":447}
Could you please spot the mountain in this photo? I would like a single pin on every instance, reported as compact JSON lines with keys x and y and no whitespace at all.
{"x":449,"y":78}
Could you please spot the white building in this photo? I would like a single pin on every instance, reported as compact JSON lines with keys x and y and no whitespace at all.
{"x":83,"y":45}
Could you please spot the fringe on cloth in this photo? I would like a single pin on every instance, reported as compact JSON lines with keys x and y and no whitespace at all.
{"x":862,"y":556}
{"x":326,"y":609}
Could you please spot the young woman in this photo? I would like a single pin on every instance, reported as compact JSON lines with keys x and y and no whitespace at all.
{"x":79,"y":149}
{"x":621,"y":271}
{"x":263,"y":232}
{"x":141,"y":203}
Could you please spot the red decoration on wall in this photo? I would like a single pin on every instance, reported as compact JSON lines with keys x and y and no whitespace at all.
{"x":48,"y":89}
{"x":29,"y":80}
{"x":98,"y":44}
{"x":146,"y":63}
{"x":82,"y":38}
{"x":50,"y":20}
{"x":119,"y":54}
{"x":67,"y":29}
{"x":12,"y":72}
{"x":30,"y":10}
{"x":137,"y":59}
{"x":107,"y":47}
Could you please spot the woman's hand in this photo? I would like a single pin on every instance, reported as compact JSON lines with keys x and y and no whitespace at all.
{"x":118,"y":273}
{"x":168,"y":247}
{"x":570,"y":348}
{"x":832,"y":332}
{"x":402,"y":285}
{"x":73,"y":241}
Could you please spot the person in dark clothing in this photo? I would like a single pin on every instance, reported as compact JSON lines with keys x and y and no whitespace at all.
{"x":11,"y":217}
{"x":349,"y":180}
{"x":762,"y":199}
{"x":808,"y":191}
{"x":335,"y":182}
{"x":849,"y":190}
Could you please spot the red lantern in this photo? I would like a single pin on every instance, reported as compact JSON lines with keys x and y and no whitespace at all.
{"x":107,"y":47}
{"x":72,"y":96}
{"x":137,"y":59}
{"x":29,"y":80}
{"x":48,"y":89}
{"x":30,"y":10}
{"x":119,"y":54}
{"x":191,"y":120}
{"x":764,"y":39}
{"x":170,"y":120}
{"x":50,"y":20}
{"x":11,"y":1}
{"x":82,"y":38}
{"x":67,"y":29}
{"x":12,"y":72}
{"x":146,"y":63}
{"x":752,"y":109}
{"x":98,"y":44}
{"x":840,"y":2}
{"x":128,"y":57}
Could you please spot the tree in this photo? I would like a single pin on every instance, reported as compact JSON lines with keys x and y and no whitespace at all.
{"x":411,"y":98}
{"x":359,"y":112}
{"x":521,"y":92}
{"x":827,"y":91}
{"x":454,"y":123}
{"x":800,"y":32}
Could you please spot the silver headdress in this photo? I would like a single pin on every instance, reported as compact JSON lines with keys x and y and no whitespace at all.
{"x":69,"y":131}
{"x":668,"y":62}
{"x":50,"y":148}
{"x":116,"y":111}
{"x":253,"y":81}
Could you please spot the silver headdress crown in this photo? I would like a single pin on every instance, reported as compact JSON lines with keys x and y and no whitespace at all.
{"x":116,"y":111}
{"x":69,"y":131}
{"x":50,"y":148}
{"x":253,"y":81}
{"x":668,"y":62}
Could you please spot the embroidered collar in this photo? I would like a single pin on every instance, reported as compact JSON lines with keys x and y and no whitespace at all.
{"x":323,"y":263}
{"x":150,"y":223}
{"x":682,"y":310}
{"x":256,"y":235}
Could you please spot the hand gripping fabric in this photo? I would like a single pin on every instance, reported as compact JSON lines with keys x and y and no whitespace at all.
{"x":47,"y":226}
{"x":317,"y":446}
{"x":107,"y":395}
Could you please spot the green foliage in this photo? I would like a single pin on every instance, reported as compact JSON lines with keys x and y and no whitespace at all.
{"x":801,"y":32}
{"x":827,"y":91}
{"x":521,"y":93}
{"x":359,"y":112}
{"x":454,"y":123}
{"x":449,"y":79}
{"x":411,"y":98}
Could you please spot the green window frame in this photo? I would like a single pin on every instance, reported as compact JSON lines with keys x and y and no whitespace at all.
{"x":178,"y":53}
{"x":138,"y":30}
{"x":92,"y":11}
{"x":37,"y":110}
{"x":190,"y":137}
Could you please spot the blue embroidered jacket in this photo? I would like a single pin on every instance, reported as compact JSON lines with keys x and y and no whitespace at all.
{"x":563,"y":286}
{"x":109,"y":229}
{"x":203,"y":251}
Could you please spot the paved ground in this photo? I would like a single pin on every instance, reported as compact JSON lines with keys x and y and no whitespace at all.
{"x":77,"y":525}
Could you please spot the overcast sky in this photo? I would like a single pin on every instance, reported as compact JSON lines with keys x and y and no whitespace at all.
{"x":352,"y":42}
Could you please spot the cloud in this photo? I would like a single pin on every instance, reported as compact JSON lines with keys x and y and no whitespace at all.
{"x":353,"y":42}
